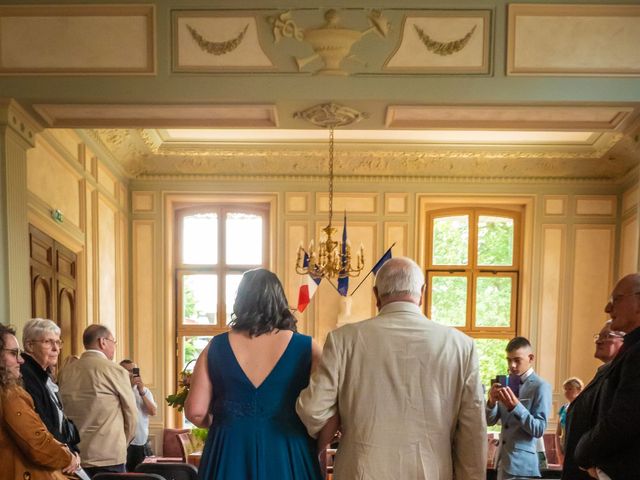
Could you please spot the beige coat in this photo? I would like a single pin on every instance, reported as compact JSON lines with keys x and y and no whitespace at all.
{"x":409,"y":396}
{"x":97,"y":396}
{"x":27,"y":450}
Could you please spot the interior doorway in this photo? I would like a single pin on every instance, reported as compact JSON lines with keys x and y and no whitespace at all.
{"x":53,"y":271}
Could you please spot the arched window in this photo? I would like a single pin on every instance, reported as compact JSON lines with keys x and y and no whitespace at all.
{"x":473,"y":267}
{"x":215,"y":244}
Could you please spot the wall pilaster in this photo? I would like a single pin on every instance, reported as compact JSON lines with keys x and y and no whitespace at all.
{"x":17,"y":135}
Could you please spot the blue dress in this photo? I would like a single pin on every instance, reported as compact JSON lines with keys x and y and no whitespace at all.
{"x":255,"y":432}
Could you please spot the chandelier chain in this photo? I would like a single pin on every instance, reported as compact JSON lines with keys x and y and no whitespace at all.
{"x":330,"y":176}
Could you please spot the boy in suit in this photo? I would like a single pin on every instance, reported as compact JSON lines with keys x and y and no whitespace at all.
{"x":523,"y":417}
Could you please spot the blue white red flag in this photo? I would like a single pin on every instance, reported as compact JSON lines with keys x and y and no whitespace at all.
{"x":308,"y":286}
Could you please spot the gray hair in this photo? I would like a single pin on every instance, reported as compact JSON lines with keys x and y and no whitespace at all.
{"x":35,"y":329}
{"x":399,"y":276}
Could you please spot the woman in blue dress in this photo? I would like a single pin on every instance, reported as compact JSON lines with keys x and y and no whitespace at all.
{"x":244,"y":388}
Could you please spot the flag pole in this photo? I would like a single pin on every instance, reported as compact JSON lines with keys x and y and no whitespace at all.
{"x":331,"y":283}
{"x":356,"y":289}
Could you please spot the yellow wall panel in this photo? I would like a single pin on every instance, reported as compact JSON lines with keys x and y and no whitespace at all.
{"x":550,"y":324}
{"x":297,"y":202}
{"x":596,"y":205}
{"x":351,"y":202}
{"x":144,"y":297}
{"x":555,"y":205}
{"x":51,"y":179}
{"x":592,"y":280}
{"x":396,"y":203}
{"x":143,"y":202}
{"x":106,"y":179}
{"x":394,"y":232}
{"x":629,"y":247}
{"x":107,"y":264}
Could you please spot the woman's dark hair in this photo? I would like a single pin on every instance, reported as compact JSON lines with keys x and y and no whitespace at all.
{"x":5,"y":380}
{"x":261,"y":305}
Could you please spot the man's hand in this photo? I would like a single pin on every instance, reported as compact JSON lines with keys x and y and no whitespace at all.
{"x":493,"y":395}
{"x":593,"y":473}
{"x":508,"y":398}
{"x":137,"y":381}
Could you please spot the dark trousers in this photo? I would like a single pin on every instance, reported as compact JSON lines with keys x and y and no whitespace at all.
{"x":135,"y":456}
{"x":91,"y":471}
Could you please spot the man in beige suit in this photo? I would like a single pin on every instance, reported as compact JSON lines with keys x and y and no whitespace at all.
{"x":407,"y":390}
{"x":96,"y":394}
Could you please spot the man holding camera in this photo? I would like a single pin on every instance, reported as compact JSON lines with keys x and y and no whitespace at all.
{"x":138,"y":448}
{"x":521,"y":402}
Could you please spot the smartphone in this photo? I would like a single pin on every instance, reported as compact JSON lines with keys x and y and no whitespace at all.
{"x":135,"y":371}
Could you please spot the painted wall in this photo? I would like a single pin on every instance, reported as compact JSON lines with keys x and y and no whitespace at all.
{"x":64,"y":173}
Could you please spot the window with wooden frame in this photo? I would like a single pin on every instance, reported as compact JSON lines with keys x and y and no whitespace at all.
{"x":215,"y":244}
{"x":473,"y":268}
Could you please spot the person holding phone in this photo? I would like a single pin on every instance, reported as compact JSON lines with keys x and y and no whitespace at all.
{"x":523,"y":417}
{"x":139,"y":448}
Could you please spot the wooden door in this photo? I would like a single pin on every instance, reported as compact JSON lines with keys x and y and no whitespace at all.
{"x":53,"y":286}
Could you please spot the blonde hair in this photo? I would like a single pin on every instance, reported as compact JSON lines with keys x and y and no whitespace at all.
{"x":575,"y":381}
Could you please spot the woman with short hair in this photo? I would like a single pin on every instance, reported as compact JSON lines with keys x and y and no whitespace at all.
{"x":42,"y":345}
{"x":27,"y":449}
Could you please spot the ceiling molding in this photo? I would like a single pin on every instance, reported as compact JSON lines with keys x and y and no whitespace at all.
{"x":512,"y":117}
{"x":158,"y":116}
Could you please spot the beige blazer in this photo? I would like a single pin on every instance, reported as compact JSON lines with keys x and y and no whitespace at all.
{"x":97,"y":396}
{"x":409,"y":396}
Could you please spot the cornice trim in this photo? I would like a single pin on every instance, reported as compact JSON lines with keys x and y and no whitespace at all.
{"x":381,"y":179}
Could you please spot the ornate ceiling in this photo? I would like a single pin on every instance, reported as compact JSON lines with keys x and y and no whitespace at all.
{"x":483,"y":142}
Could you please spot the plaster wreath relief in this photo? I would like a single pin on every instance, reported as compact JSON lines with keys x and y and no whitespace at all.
{"x":444,"y":48}
{"x":217,"y":48}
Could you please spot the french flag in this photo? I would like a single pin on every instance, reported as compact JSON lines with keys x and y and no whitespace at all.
{"x":308,"y":287}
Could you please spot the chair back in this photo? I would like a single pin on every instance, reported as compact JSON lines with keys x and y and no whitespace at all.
{"x":127,"y":476}
{"x":170,"y":444}
{"x":170,"y":471}
{"x":186,"y":444}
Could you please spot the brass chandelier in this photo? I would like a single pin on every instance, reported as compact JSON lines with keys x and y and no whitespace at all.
{"x":330,"y":258}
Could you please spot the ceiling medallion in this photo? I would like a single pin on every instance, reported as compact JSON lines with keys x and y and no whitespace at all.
{"x":330,"y":115}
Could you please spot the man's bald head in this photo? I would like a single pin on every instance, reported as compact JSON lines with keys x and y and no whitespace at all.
{"x":399,"y":279}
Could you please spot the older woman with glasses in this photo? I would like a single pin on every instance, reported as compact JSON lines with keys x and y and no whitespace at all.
{"x":42,"y":346}
{"x":582,"y":412}
{"x":27,"y":449}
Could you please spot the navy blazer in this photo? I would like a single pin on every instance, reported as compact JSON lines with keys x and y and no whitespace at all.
{"x":613,"y":444}
{"x":522,"y":426}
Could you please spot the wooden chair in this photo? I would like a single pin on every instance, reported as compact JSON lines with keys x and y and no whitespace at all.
{"x":171,"y":445}
{"x":186,"y":444}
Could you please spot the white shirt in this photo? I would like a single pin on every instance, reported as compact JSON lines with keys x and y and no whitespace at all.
{"x":142,"y":427}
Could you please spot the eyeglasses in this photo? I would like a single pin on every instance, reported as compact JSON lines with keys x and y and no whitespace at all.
{"x":115,"y":342}
{"x":13,"y":351}
{"x":609,"y":336}
{"x":51,"y":342}
{"x":617,"y":298}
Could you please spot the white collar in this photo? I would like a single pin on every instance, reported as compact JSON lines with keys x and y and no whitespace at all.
{"x":526,"y":375}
